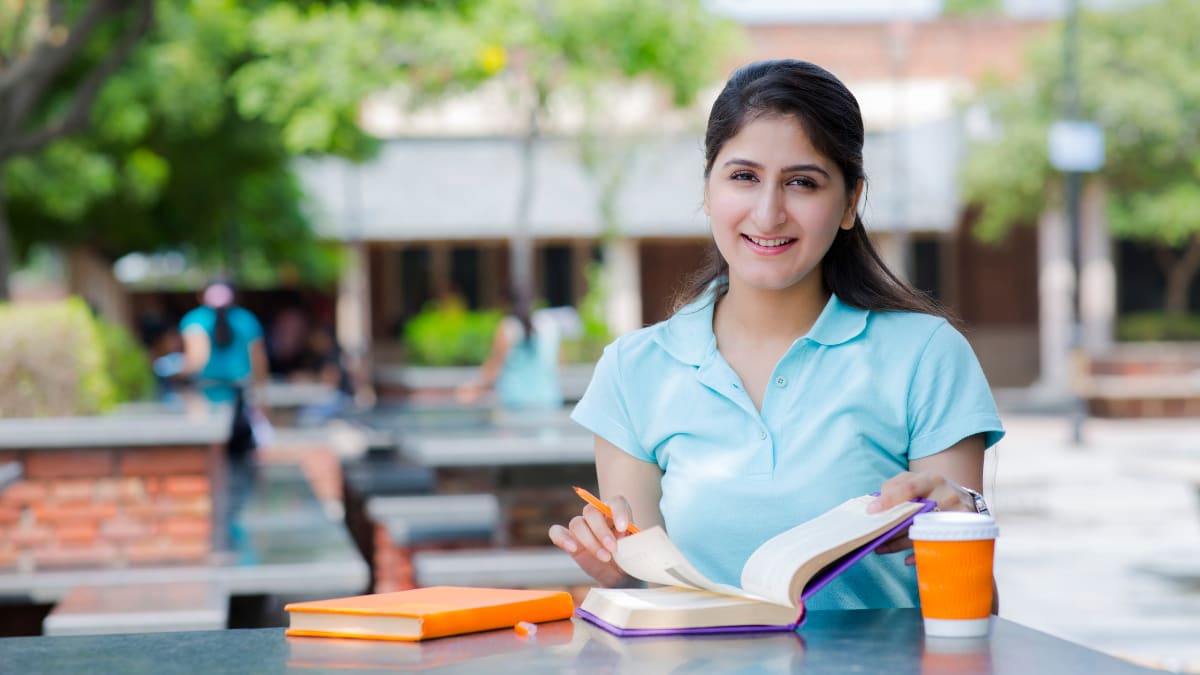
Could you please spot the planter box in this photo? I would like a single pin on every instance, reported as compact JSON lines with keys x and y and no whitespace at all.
{"x":1147,"y":379}
{"x":136,"y":487}
{"x":434,"y":384}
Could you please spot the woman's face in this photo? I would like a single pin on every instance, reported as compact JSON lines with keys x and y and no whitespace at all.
{"x":775,"y":204}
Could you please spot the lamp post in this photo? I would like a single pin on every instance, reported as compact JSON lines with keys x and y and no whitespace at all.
{"x":1075,"y":147}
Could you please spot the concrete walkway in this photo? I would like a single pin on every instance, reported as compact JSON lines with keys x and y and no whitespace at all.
{"x":1100,"y":543}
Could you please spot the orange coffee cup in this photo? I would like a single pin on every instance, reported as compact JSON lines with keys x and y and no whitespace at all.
{"x":954,"y":571}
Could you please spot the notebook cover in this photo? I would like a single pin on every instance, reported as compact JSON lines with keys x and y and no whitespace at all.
{"x":815,"y":584}
{"x":442,"y":610}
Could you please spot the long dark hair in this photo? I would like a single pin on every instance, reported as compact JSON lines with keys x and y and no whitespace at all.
{"x":522,"y":308}
{"x":829,"y":114}
{"x":218,"y":294}
{"x":222,"y":329}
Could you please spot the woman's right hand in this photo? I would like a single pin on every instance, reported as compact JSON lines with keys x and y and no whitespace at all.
{"x":591,"y":539}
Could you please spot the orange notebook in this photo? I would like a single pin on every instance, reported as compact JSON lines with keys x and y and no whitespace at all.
{"x":424,"y":613}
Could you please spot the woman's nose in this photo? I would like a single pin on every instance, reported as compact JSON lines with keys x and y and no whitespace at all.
{"x":768,"y":211}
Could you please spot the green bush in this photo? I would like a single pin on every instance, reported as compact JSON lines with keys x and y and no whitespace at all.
{"x":1157,"y":327}
{"x":448,"y":334}
{"x":587,"y":347}
{"x":127,"y":363}
{"x":52,"y":361}
{"x":57,"y":359}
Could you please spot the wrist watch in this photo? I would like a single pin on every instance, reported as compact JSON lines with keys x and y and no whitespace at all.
{"x":973,"y":500}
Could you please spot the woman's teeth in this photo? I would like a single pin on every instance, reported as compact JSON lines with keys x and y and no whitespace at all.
{"x":769,"y":243}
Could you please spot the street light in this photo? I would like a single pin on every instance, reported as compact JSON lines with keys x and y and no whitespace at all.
{"x":1075,"y":147}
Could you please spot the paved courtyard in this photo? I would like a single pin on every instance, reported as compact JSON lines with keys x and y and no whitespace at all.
{"x":1100,"y":543}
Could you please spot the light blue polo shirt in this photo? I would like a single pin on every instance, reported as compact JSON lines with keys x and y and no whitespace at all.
{"x":848,"y":406}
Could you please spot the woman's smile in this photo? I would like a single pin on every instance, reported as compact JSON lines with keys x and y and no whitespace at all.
{"x":768,"y":245}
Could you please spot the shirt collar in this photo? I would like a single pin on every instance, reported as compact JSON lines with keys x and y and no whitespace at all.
{"x":688,"y":334}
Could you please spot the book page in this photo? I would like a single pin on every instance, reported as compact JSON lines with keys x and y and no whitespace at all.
{"x":650,"y":556}
{"x":779,"y":568}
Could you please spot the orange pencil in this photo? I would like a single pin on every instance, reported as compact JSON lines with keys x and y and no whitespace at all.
{"x":603,"y":508}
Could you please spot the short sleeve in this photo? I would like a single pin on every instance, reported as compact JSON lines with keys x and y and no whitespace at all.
{"x":192,"y":321}
{"x":604,"y":409}
{"x":949,"y":398}
{"x":254,"y":329}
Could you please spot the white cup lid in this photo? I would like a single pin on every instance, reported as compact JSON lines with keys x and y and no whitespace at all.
{"x":952,"y":526}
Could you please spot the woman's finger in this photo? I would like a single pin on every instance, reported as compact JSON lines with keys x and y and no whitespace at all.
{"x":561,"y":537}
{"x":601,"y":527}
{"x":582,"y":528}
{"x":622,"y":514}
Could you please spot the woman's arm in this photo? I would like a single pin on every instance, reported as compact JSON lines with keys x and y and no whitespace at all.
{"x":196,"y":350}
{"x":632,"y":489}
{"x":258,"y":362}
{"x":935,"y":477}
{"x":470,"y":392}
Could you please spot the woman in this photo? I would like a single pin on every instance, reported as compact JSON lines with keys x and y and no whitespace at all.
{"x":798,"y":371}
{"x":523,"y":364}
{"x":223,"y":351}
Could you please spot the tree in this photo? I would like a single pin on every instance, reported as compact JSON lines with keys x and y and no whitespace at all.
{"x":1137,"y":80}
{"x":42,"y":41}
{"x":574,"y":48}
{"x":189,"y":143}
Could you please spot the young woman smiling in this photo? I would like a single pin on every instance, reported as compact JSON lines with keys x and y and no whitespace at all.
{"x":797,"y":371}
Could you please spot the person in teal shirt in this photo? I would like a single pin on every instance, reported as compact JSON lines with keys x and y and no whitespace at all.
{"x":223,"y":352}
{"x":522,"y":367}
{"x":797,"y":371}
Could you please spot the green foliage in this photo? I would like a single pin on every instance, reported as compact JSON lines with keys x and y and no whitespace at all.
{"x":1137,"y":80}
{"x":127,"y":363}
{"x":52,"y":361}
{"x":582,"y":43}
{"x":448,"y":334}
{"x":191,"y":142}
{"x":971,"y":7}
{"x":1158,"y":326}
{"x":313,"y":66}
{"x":595,"y":335}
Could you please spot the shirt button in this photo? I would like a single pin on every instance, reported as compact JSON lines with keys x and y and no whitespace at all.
{"x":781,"y":381}
{"x":762,"y":434}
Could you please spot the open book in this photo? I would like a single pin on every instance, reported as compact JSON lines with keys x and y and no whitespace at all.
{"x":775,"y":581}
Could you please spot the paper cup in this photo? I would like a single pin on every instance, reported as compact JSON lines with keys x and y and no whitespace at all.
{"x":954,"y":571}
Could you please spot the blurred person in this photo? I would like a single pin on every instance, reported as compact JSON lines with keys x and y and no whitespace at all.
{"x":522,"y":367}
{"x":797,"y":371}
{"x":286,"y":341}
{"x":223,"y":355}
{"x":325,"y":363}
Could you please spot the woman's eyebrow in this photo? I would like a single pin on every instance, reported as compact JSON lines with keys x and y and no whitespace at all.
{"x":736,"y":161}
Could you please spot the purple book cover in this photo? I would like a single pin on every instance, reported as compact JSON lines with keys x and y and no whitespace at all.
{"x":819,"y":581}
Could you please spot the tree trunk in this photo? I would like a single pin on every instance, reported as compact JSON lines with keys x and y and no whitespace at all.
{"x":90,"y":276}
{"x":5,"y":246}
{"x":521,"y":244}
{"x":1180,"y":273}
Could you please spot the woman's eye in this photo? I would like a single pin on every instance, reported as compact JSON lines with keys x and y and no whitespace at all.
{"x":742,"y":175}
{"x":803,"y":182}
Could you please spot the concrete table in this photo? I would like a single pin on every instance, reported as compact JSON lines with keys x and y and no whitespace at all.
{"x":867,"y":641}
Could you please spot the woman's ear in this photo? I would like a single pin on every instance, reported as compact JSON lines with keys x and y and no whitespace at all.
{"x":852,"y":208}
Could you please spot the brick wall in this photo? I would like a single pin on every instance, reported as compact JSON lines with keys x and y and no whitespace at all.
{"x":532,"y":499}
{"x":107,"y":507}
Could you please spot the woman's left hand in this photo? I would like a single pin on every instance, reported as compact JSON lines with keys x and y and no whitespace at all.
{"x":915,"y":485}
